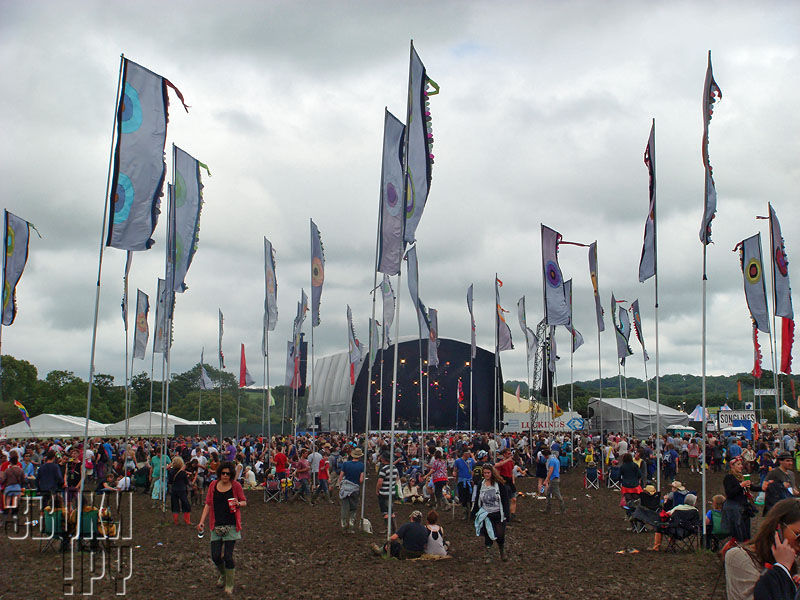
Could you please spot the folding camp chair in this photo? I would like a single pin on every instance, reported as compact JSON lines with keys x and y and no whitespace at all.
{"x":614,"y":478}
{"x":272,"y":490}
{"x":53,"y":528}
{"x":682,"y":530}
{"x":643,"y":518}
{"x":719,"y":532}
{"x":590,"y":478}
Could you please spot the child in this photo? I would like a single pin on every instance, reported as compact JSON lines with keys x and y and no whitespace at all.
{"x":435,"y":546}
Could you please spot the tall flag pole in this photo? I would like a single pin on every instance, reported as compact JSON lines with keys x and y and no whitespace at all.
{"x":711,"y":93}
{"x":317,"y":279}
{"x":600,"y":325}
{"x":221,"y":357}
{"x":473,"y":348}
{"x":623,"y":349}
{"x":531,"y":342}
{"x":556,"y":310}
{"x":389,"y":302}
{"x":270,"y":321}
{"x":125,"y":323}
{"x":204,"y":383}
{"x":648,"y":267}
{"x":422,"y":323}
{"x":245,"y":379}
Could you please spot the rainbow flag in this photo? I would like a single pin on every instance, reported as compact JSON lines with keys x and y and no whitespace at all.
{"x":24,"y":412}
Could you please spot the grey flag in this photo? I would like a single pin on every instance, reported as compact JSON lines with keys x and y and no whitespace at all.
{"x":420,"y":140}
{"x":270,"y":294}
{"x":160,"y":336}
{"x":413,"y":289}
{"x":473,"y":344}
{"x":387,"y":294}
{"x":598,"y":305}
{"x":317,"y":273}
{"x":392,"y":215}
{"x":711,"y":93}
{"x":637,"y":326}
{"x":531,"y":342}
{"x":504,"y":341}
{"x":433,"y":338}
{"x":205,"y":382}
{"x":139,"y":167}
{"x":141,"y":330}
{"x":623,"y":349}
{"x":16,"y":242}
{"x":577,"y":338}
{"x":648,"y":261}
{"x":188,"y":197}
{"x":556,"y":307}
{"x":780,"y":268}
{"x":755,"y":290}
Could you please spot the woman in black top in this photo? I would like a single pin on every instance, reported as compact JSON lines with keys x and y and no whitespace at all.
{"x":179,"y":491}
{"x":736,"y":509}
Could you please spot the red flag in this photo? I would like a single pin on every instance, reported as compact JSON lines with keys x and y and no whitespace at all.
{"x":244,"y":375}
{"x":739,"y":389}
{"x":756,"y":353}
{"x":787,"y":339}
{"x":517,"y":393}
{"x":460,"y":394}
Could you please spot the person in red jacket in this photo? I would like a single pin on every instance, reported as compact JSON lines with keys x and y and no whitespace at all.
{"x":224,"y":501}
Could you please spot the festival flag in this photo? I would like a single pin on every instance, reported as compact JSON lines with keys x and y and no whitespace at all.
{"x":787,"y":339}
{"x":577,"y":338}
{"x":413,"y":289}
{"x":205,"y":382}
{"x":473,"y":342}
{"x":755,"y":290}
{"x":623,"y":348}
{"x":317,"y":272}
{"x":649,"y":261}
{"x":783,"y":292}
{"x":245,"y":378}
{"x":503,"y":330}
{"x":557,"y":412}
{"x":24,"y":412}
{"x":270,"y":294}
{"x":531,"y":341}
{"x":188,"y":196}
{"x":756,"y":372}
{"x":556,"y":307}
{"x":461,"y":403}
{"x":292,"y":371}
{"x":137,"y":183}
{"x":739,"y":389}
{"x":598,"y":305}
{"x":160,"y":336}
{"x":637,"y":326}
{"x":353,"y":347}
{"x":300,"y":317}
{"x":221,"y":354}
{"x":392,"y":215}
{"x":420,"y":143}
{"x":387,"y":294}
{"x":711,"y":94}
{"x":375,"y":339}
{"x":17,"y":234}
{"x":433,"y":337}
{"x":517,"y":394}
{"x":142,"y":329}
{"x":552,"y":351}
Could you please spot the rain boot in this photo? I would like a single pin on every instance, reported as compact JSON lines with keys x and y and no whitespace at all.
{"x":328,"y":496}
{"x":229,"y":574}
{"x":175,"y":518}
{"x":221,"y":579}
{"x":503,"y":555}
{"x":487,"y":557}
{"x":187,"y":518}
{"x":657,"y":542}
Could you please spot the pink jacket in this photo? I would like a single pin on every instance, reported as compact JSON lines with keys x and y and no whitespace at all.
{"x":238,"y":493}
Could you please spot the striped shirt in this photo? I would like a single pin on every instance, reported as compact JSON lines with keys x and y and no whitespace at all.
{"x":384,"y":474}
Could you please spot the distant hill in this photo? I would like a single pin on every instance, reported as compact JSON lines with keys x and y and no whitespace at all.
{"x":678,"y":391}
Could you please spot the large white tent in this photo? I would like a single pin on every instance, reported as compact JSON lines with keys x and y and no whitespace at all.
{"x":149,"y":423}
{"x":634,"y":415}
{"x":53,"y":426}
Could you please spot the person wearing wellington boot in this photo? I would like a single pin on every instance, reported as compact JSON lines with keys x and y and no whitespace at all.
{"x":223,"y":503}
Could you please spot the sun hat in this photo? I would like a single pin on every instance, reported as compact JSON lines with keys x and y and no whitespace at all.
{"x":357,"y":453}
{"x":650,"y":489}
{"x":678,"y":485}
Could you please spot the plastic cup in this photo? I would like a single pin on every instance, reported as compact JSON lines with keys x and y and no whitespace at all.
{"x":232,"y":504}
{"x":746,"y":477}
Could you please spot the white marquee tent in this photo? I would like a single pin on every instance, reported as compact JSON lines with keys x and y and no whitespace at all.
{"x":634,"y":415}
{"x":149,"y":423}
{"x":53,"y":426}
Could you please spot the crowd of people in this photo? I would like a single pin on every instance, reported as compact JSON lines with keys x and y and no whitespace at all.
{"x":476,"y":473}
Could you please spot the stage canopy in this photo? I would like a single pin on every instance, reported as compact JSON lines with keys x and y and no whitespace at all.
{"x":637,"y":414}
{"x":331,"y":407}
{"x":53,"y":426}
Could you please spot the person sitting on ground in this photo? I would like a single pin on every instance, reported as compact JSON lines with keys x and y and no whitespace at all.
{"x":435,"y":546}
{"x":409,"y":541}
{"x":745,"y":563}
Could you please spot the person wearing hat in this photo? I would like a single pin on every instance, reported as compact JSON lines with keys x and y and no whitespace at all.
{"x":350,"y":479}
{"x":779,"y":483}
{"x":676,"y":495}
{"x":649,"y":498}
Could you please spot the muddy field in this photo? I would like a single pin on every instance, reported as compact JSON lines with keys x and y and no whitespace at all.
{"x":298,"y":551}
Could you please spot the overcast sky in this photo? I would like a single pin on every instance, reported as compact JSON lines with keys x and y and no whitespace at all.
{"x":543,"y":116}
